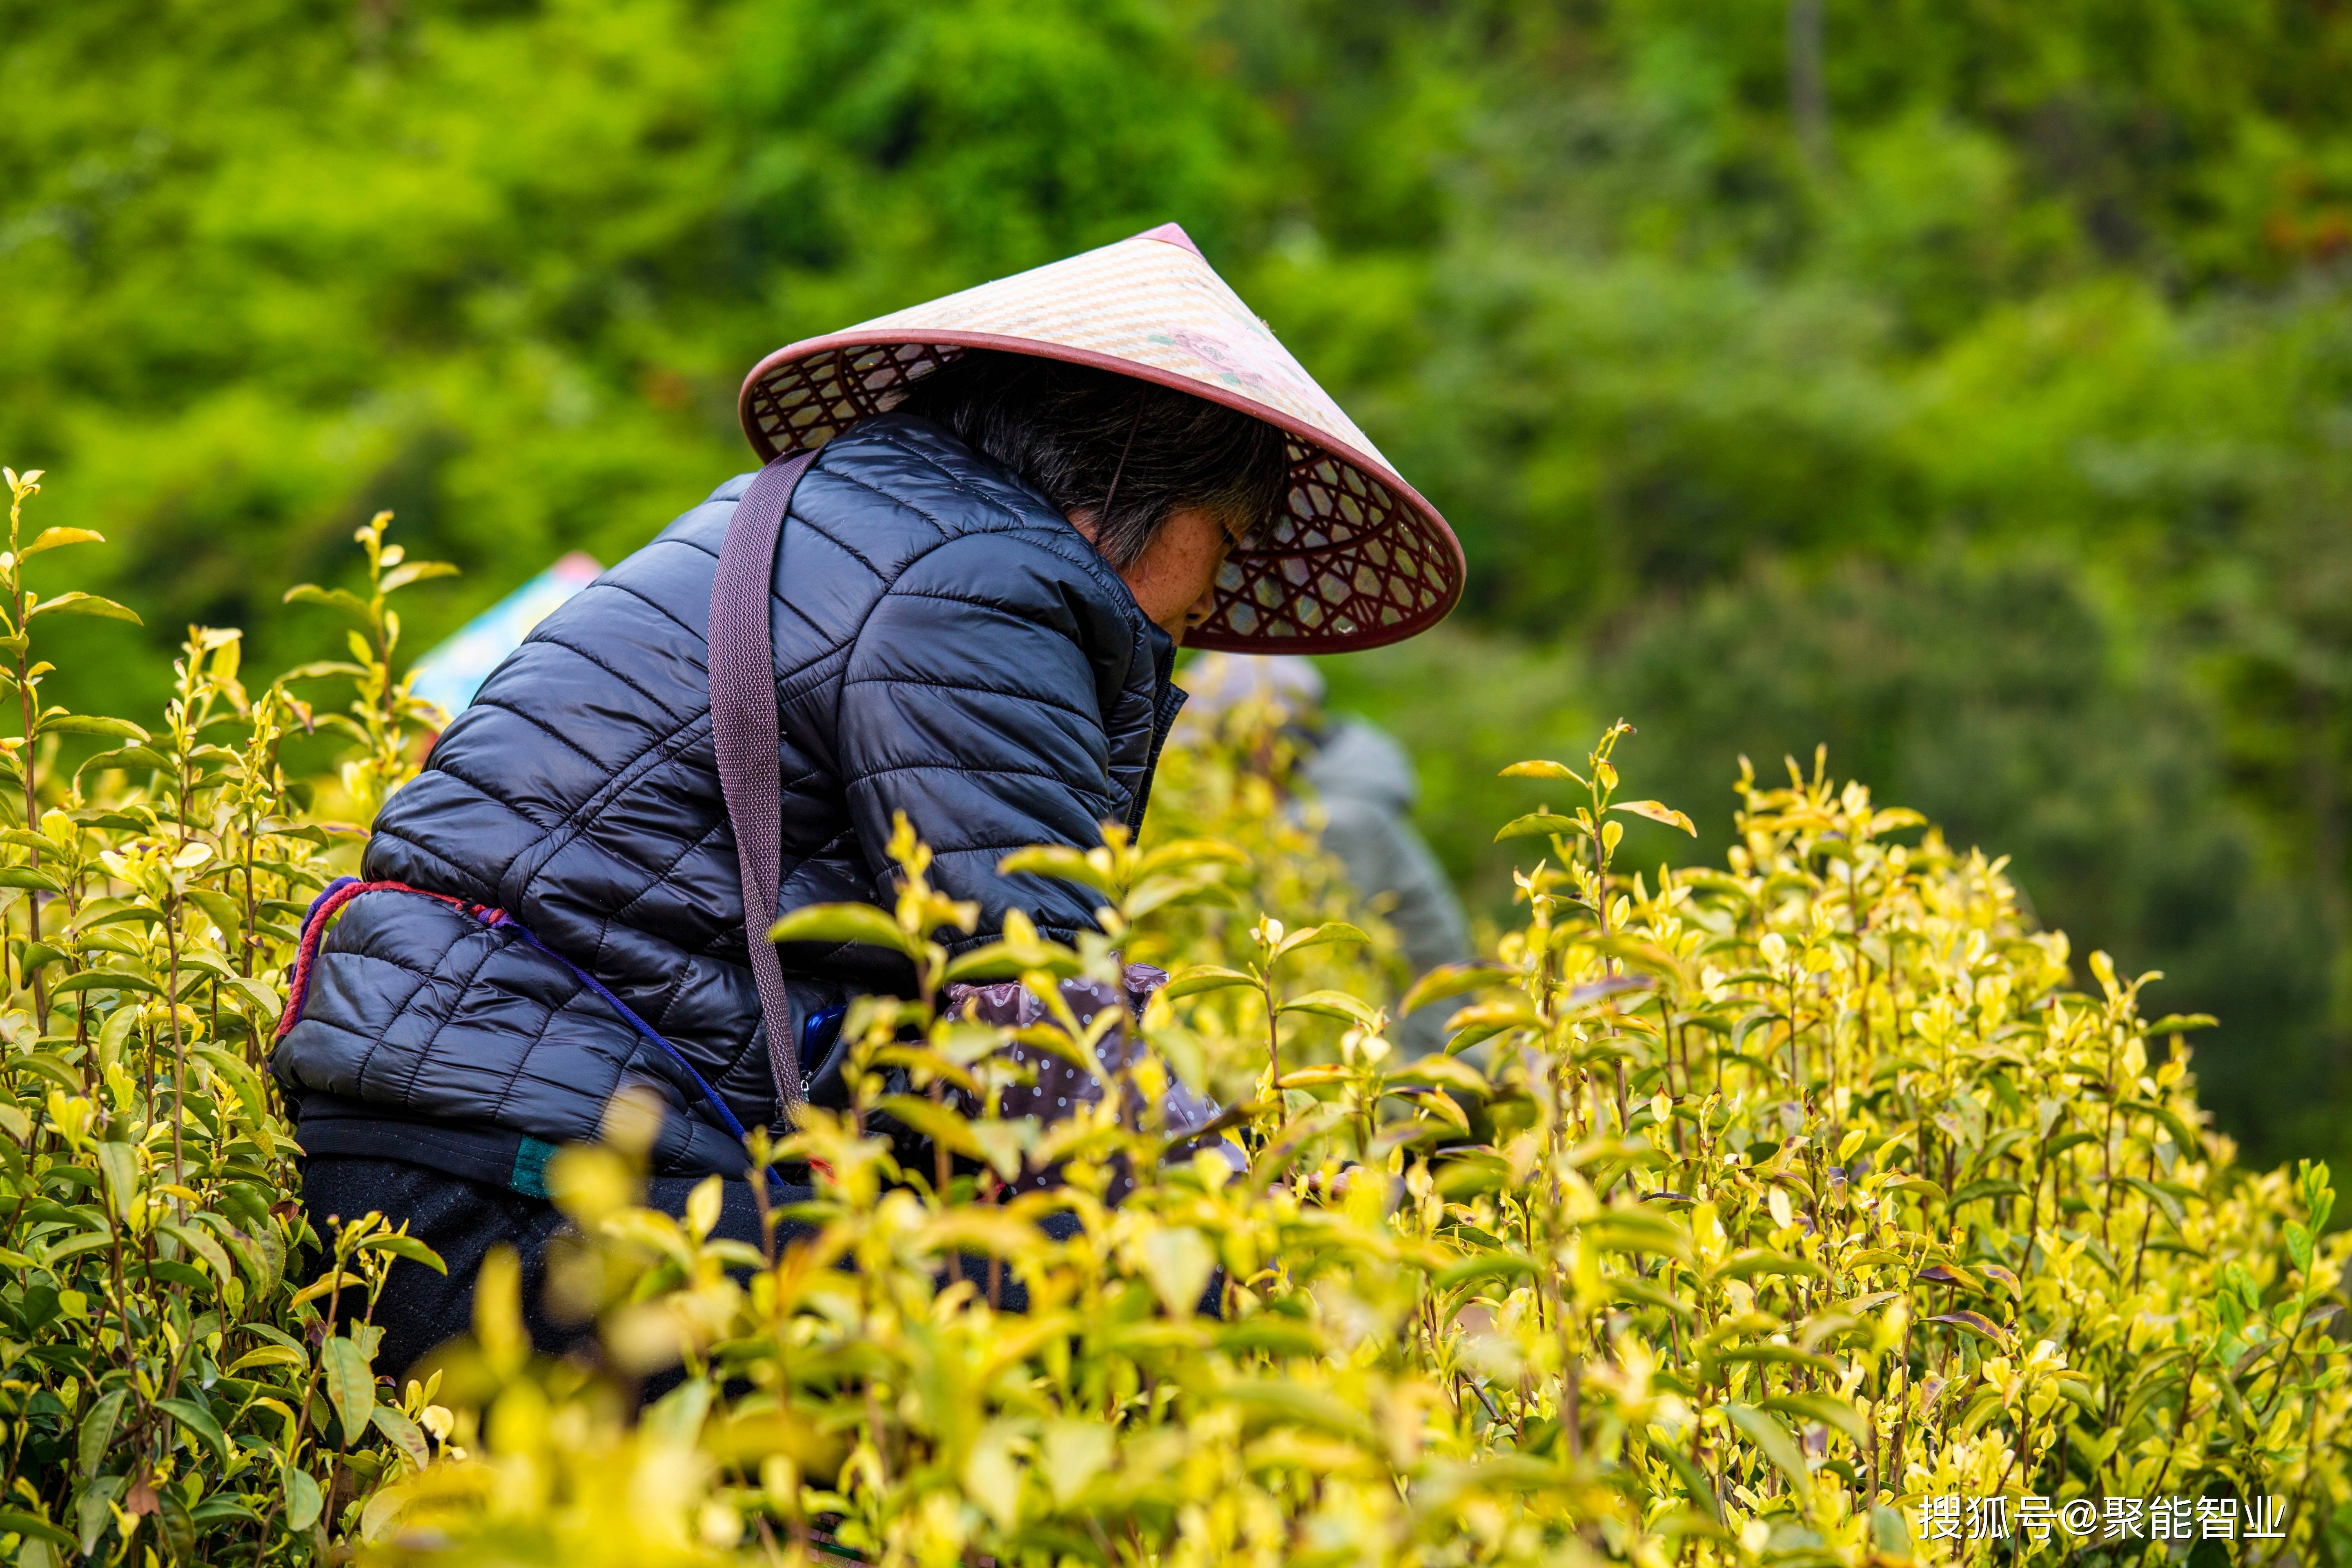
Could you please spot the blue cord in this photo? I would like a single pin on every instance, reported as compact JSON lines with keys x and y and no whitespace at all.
{"x":826,"y":1020}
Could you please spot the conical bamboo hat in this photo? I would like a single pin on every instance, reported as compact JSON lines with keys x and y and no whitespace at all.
{"x":1358,"y":558}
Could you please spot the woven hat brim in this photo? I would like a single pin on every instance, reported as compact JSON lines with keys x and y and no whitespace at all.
{"x":1357,"y":559}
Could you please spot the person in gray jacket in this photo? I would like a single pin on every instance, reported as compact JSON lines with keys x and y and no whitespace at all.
{"x":1364,"y":782}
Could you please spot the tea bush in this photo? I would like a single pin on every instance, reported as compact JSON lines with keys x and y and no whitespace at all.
{"x":1757,"y":1215}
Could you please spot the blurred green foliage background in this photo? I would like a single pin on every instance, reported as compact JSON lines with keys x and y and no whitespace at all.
{"x":1965,"y":384}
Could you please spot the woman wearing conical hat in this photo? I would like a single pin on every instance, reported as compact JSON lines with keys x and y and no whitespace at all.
{"x":1023,"y":500}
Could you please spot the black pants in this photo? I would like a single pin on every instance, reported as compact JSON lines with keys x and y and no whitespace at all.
{"x":462,"y":1220}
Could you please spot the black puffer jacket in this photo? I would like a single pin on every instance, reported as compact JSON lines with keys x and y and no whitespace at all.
{"x":946,"y":645}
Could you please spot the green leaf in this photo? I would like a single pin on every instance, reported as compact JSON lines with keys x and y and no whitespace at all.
{"x":185,"y":1276}
{"x":238,"y":1076}
{"x":220,"y":1509}
{"x":303,"y":1498}
{"x":2299,"y":1245}
{"x":106,"y":980}
{"x":1061,"y":862}
{"x":202,"y":1246}
{"x":196,"y":964}
{"x":2183,"y":1136}
{"x":1483,"y":1266}
{"x":1271,"y":1334}
{"x":33,"y":1526}
{"x":1444,"y":1073}
{"x":334,"y":599}
{"x":1455,"y":979}
{"x":936,"y":1123}
{"x":1542,"y":770}
{"x":52,"y":538}
{"x":127,"y":758}
{"x":1596,"y":993}
{"x":1997,"y":1187}
{"x":118,"y":1164}
{"x":836,"y":924}
{"x":1749,"y":1263}
{"x":1202,"y":887}
{"x":2159,"y":1198}
{"x":401,"y":576}
{"x":1698,"y":1487}
{"x":408,"y":1247}
{"x":268,"y":1355}
{"x":267,"y":1003}
{"x":262,"y":1252}
{"x":321,"y":669}
{"x":198,"y":1418}
{"x":1538,"y":825}
{"x":1775,"y":1356}
{"x":1976,"y":1323}
{"x":29,"y":877}
{"x":97,"y":1429}
{"x":49,"y":1065}
{"x":1332,"y":1004}
{"x":1637,"y":953}
{"x":1319,"y":936}
{"x":1920,"y":1187}
{"x":1189,"y":854}
{"x":1826,"y":1408}
{"x":2182,"y":1023}
{"x":1656,"y":812}
{"x":1178,"y":1261}
{"x":1202,"y":977}
{"x":223,"y":912}
{"x":1010,"y":958}
{"x":89,"y":1241}
{"x":404,"y":1434}
{"x":1293,"y":1403}
{"x":1493,"y":1017}
{"x":1773,"y":1441}
{"x":57,"y":722}
{"x":76,"y":602}
{"x":1891,"y":1531}
{"x":92,"y":1511}
{"x":351,"y":1385}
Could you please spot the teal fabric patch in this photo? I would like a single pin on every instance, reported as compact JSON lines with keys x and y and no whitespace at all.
{"x":529,"y":1176}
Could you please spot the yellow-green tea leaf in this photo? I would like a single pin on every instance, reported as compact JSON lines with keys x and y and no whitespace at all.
{"x":836,"y":923}
{"x":1656,"y":812}
{"x":1538,"y":825}
{"x":1773,"y":1441}
{"x":351,"y":1385}
{"x":192,"y":1414}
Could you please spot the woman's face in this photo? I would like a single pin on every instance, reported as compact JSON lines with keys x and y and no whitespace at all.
{"x":1175,"y":579}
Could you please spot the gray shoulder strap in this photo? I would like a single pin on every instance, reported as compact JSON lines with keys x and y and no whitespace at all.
{"x":743,"y":729}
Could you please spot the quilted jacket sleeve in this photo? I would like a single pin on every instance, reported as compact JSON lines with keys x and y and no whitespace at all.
{"x":970,"y":701}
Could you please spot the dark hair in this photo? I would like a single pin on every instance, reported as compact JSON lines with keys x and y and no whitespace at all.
{"x":1126,"y":452}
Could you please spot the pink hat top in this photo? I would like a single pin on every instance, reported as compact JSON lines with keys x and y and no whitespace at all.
{"x":1356,"y":560}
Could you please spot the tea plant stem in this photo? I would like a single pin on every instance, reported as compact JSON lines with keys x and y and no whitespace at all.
{"x":122,"y":1304}
{"x":2108,"y":1142}
{"x":943,"y":1165}
{"x":248,"y":938}
{"x":29,"y":705}
{"x":179,"y":1060}
{"x":1795,"y":1077}
{"x":1273,"y":1039}
{"x":2148,"y":1220}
